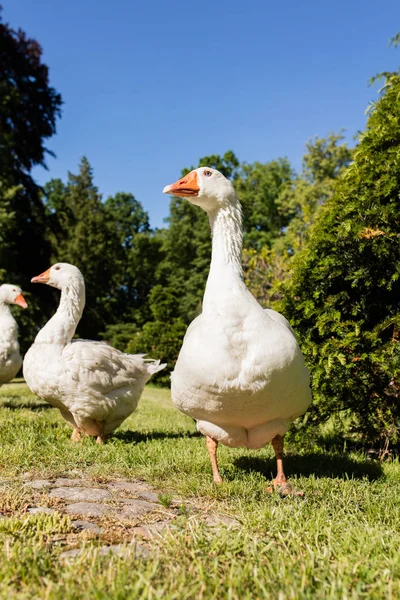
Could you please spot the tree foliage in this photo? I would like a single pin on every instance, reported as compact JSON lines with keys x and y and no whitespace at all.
{"x":343,"y":295}
{"x":300,"y":201}
{"x":81,"y":234}
{"x":259,"y":187}
{"x":112,"y":244}
{"x":29,"y":106}
{"x":289,"y":213}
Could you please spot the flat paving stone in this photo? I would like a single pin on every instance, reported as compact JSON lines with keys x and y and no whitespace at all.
{"x":137,"y":550}
{"x":38,"y":484}
{"x":150,"y":496}
{"x":87,"y":508}
{"x":128,"y":486}
{"x":41,"y":509}
{"x":138,"y":488}
{"x":136,"y":508}
{"x":87,"y":526}
{"x":80,"y":494}
{"x":65,"y":481}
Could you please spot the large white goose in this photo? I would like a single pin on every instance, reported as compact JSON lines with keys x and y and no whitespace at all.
{"x":95,"y":386}
{"x":240,"y":372}
{"x":10,"y":357}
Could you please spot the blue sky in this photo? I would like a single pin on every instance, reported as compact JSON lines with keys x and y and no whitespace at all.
{"x":149,"y":87}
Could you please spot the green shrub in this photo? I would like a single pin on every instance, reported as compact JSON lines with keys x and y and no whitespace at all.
{"x":160,"y":340}
{"x":344,"y":294}
{"x":119,"y":336}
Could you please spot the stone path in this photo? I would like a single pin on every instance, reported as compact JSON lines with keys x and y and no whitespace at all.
{"x":145,"y":513}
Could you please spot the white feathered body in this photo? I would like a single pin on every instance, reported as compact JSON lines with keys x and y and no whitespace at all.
{"x":88,"y":380}
{"x":240,"y":372}
{"x":10,"y":357}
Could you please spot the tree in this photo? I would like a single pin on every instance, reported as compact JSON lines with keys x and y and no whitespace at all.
{"x":300,"y":201}
{"x":137,"y":257}
{"x":259,"y":186}
{"x":113,"y":245}
{"x":286,"y":205}
{"x":128,"y":216}
{"x":29,"y":106}
{"x":343,"y":296}
{"x":80,"y":233}
{"x":161,"y":337}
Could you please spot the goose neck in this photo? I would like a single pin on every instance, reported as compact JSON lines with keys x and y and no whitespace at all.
{"x":226,"y":273}
{"x":9,"y":328}
{"x":62,"y":326}
{"x":227,"y":239}
{"x":5,"y":310}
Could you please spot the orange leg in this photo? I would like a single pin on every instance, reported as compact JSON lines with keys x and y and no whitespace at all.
{"x":277,"y":444}
{"x":76,"y":435}
{"x":212,"y":446}
{"x":283,"y":487}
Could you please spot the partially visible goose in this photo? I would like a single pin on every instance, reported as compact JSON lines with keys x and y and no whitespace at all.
{"x":10,"y":358}
{"x":240,"y":372}
{"x":95,"y":386}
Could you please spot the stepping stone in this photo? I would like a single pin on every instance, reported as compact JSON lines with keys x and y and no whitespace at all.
{"x":138,"y":488}
{"x":80,"y":494}
{"x":87,"y":526}
{"x":129,"y":486}
{"x":41,"y":509}
{"x":87,"y":508}
{"x":64,"y":481}
{"x":138,"y":551}
{"x":38,"y":484}
{"x":150,"y":496}
{"x":136,"y":508}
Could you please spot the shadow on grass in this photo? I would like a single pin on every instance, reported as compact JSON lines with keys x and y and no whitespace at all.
{"x":17,"y":404}
{"x":137,"y":436}
{"x":320,"y":465}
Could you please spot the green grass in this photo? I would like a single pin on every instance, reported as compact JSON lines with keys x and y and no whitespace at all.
{"x":341,"y":541}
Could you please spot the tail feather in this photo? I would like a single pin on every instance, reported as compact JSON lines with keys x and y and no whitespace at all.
{"x":154,"y":366}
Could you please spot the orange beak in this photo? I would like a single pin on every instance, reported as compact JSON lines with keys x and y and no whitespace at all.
{"x":20,"y":300}
{"x":42,"y":278}
{"x":187,"y":186}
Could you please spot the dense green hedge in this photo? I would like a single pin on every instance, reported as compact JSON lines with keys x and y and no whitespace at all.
{"x":344,"y":294}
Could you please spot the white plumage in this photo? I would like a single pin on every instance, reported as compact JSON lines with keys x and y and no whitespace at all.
{"x":10,"y":357}
{"x":95,"y":386}
{"x":240,"y":372}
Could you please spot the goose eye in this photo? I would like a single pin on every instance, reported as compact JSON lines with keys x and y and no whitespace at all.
{"x":207,"y":173}
{"x":57,"y":268}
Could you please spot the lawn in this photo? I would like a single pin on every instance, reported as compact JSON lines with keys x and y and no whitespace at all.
{"x":342,"y":540}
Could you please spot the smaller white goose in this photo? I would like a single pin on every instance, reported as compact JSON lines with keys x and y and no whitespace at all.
{"x":10,"y":358}
{"x":95,"y":386}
